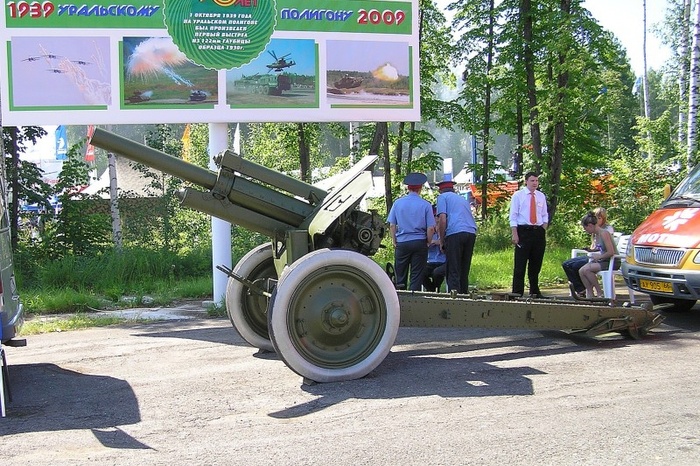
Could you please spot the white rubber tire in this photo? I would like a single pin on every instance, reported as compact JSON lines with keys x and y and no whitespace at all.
{"x":248,"y":312}
{"x":334,"y":315}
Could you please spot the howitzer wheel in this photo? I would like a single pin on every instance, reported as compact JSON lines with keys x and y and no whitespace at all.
{"x":333,"y":316}
{"x":246,"y":309}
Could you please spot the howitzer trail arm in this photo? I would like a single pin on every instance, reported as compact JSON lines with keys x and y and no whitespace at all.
{"x":439,"y":310}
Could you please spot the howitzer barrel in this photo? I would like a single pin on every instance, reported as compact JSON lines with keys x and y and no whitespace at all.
{"x":232,"y":197}
{"x":154,"y":158}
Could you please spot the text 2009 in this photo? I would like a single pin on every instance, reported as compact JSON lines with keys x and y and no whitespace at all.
{"x":384,"y":17}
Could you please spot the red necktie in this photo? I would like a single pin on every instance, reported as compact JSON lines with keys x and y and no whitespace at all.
{"x":533,"y":209}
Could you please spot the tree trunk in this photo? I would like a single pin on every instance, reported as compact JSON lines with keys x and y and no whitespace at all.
{"x":487,"y":118}
{"x":114,"y":199}
{"x":304,"y":154}
{"x":409,"y":155}
{"x":683,"y":72}
{"x":647,"y":112}
{"x":527,"y":14}
{"x":399,"y":149}
{"x":354,"y":141}
{"x":377,"y":138}
{"x":114,"y":202}
{"x":387,"y":167}
{"x":516,"y":169}
{"x":693,"y":89}
{"x":380,"y":136}
{"x":555,"y":167}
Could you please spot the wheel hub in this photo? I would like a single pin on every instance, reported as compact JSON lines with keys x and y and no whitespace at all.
{"x":336,"y":317}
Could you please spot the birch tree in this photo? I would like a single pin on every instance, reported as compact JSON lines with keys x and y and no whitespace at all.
{"x":693,"y":89}
{"x":645,"y":77}
{"x":683,"y":70}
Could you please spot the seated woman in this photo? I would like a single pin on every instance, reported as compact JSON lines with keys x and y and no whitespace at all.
{"x":572,"y":266}
{"x":436,"y":267}
{"x":598,"y":260}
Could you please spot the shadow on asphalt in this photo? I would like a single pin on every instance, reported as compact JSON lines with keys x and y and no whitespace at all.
{"x":689,"y":321}
{"x":226,"y":335}
{"x":420,"y":372}
{"x":46,"y":397}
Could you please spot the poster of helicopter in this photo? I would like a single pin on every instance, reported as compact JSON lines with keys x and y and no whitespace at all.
{"x":210,"y":61}
{"x":285,"y":75}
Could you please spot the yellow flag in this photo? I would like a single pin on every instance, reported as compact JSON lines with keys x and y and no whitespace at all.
{"x":186,"y":143}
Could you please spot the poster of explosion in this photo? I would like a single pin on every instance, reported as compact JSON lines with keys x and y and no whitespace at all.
{"x":210,"y":61}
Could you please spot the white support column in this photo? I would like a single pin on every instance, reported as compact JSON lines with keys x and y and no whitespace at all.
{"x":447,"y":169}
{"x":220,"y":229}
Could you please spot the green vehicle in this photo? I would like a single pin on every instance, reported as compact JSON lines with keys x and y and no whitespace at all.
{"x":270,"y":84}
{"x":10,"y":307}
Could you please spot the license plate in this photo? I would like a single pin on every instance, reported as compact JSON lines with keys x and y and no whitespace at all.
{"x":651,"y":285}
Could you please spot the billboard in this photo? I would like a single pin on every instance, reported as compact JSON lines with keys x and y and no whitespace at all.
{"x":208,"y":61}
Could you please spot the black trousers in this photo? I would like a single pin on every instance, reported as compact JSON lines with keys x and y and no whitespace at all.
{"x":434,"y":276}
{"x":459,"y":248}
{"x":571,"y":268}
{"x":413,"y":255}
{"x":529,"y":254}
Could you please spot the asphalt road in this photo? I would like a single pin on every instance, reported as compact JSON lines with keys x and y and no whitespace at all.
{"x":192,"y":392}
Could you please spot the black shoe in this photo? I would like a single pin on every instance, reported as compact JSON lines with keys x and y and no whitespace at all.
{"x":576,"y":294}
{"x":538,"y":296}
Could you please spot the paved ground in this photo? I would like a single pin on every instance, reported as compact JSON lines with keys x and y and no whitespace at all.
{"x":190,"y":391}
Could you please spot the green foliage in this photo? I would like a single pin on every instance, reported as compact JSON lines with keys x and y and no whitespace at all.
{"x":32,"y":188}
{"x":637,"y":185}
{"x":60,"y":300}
{"x":75,"y":322}
{"x":657,"y":137}
{"x":276,"y":146}
{"x":494,"y":271}
{"x":243,"y":240}
{"x":436,"y":50}
{"x":74,"y":231}
{"x":111,"y":272}
{"x":494,"y":232}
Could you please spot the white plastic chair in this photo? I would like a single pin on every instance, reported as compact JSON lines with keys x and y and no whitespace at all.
{"x":607,"y":276}
{"x":582,"y":252}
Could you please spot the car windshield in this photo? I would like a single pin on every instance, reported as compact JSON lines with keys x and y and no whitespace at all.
{"x":689,"y":187}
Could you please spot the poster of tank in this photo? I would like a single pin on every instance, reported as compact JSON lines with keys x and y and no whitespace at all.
{"x":157,"y":73}
{"x":283,"y":75}
{"x":355,"y":76}
{"x":60,"y":72}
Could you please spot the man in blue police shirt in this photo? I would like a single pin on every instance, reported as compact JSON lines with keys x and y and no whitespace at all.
{"x":412,"y":226}
{"x":457,"y":230}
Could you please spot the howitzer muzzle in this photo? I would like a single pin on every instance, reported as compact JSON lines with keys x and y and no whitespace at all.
{"x":154,"y":158}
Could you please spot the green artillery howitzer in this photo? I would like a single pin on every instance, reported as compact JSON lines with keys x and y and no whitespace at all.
{"x":314,"y":296}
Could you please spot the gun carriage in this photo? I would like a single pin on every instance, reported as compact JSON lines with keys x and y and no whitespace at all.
{"x":312,"y":293}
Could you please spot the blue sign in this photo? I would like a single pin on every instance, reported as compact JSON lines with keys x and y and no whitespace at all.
{"x":61,"y":143}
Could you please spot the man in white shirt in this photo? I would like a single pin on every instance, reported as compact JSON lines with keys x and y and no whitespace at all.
{"x":528,"y":222}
